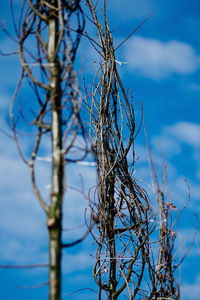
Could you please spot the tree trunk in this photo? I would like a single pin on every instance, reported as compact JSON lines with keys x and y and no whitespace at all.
{"x":57,"y":186}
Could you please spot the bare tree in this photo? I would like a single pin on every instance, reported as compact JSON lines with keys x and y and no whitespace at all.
{"x":48,"y":35}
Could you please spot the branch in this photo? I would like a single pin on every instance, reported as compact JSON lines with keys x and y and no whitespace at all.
{"x":134,"y":31}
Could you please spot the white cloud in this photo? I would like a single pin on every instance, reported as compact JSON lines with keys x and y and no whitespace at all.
{"x":155,"y":59}
{"x":79,"y":260}
{"x":23,"y":232}
{"x":172,"y":140}
{"x":173,"y":137}
{"x":186,"y":132}
{"x":194,"y":87}
{"x":191,"y":291}
{"x":167,"y":145}
{"x":180,"y":193}
{"x":198,"y":174}
{"x":21,"y":219}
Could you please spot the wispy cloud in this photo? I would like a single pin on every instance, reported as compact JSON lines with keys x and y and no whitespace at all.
{"x":186,"y":132}
{"x":24,"y":237}
{"x":167,"y":144}
{"x":192,"y":291}
{"x":157,"y":60}
{"x":21,"y":219}
{"x":172,"y":140}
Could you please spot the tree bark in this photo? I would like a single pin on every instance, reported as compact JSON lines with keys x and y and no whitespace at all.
{"x":57,"y":186}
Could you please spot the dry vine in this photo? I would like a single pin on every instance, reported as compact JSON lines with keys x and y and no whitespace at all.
{"x":121,"y":207}
{"x":125,"y":263}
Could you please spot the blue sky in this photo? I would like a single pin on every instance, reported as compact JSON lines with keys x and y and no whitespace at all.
{"x":163,"y":69}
